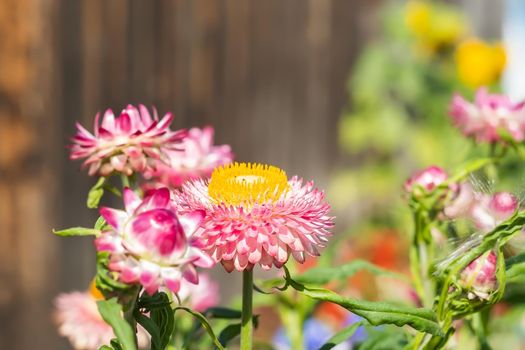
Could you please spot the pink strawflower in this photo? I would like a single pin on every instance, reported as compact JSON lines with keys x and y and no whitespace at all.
{"x":428,"y":179}
{"x":78,"y":319}
{"x":202,"y":296}
{"x":487,"y":116}
{"x":254,"y":215}
{"x":131,"y":142}
{"x":479,"y":277}
{"x":150,"y":244}
{"x":197,"y":158}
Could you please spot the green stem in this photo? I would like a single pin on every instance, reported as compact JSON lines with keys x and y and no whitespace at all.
{"x":128,"y":315}
{"x":247,"y":310}
{"x":125,"y":181}
{"x":479,"y":325}
{"x":292,"y":316}
{"x":421,"y":253}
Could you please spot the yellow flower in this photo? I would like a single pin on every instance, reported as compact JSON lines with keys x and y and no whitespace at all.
{"x":479,"y":63}
{"x":434,"y":26}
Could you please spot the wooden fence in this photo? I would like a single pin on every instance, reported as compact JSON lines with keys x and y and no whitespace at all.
{"x":269,"y":75}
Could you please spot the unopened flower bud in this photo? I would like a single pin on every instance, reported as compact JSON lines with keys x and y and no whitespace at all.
{"x":479,"y":277}
{"x":428,"y":179}
{"x":503,"y":205}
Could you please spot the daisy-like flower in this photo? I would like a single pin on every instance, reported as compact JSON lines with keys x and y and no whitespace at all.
{"x":428,"y":179}
{"x":199,"y":297}
{"x":150,"y":244}
{"x":197,"y":158}
{"x":132,"y":142}
{"x":479,"y":277}
{"x":78,"y":319}
{"x":487,"y":116}
{"x":254,"y":215}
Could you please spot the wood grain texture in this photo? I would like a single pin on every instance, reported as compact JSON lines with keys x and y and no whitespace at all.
{"x":268,"y":75}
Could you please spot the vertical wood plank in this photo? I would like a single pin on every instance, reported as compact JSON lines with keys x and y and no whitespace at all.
{"x":28,"y":94}
{"x":269,"y":75}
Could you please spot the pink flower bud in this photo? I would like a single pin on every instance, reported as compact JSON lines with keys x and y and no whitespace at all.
{"x":503,"y":205}
{"x":479,"y":277}
{"x":428,"y":179}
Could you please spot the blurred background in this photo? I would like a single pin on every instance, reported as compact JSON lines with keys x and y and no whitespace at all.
{"x":350,"y":93}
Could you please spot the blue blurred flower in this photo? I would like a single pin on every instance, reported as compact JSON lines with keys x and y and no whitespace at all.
{"x":316,"y":333}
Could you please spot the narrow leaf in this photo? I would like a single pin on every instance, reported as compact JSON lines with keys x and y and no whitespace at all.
{"x":77,"y":231}
{"x":323,"y":275}
{"x":95,"y":193}
{"x":229,"y":333}
{"x":106,"y":281}
{"x":204,"y":322}
{"x":341,"y":336}
{"x":378,"y":313}
{"x":101,"y":224}
{"x":515,"y":268}
{"x":161,"y":323}
{"x":222,"y":313}
{"x":468,"y":168}
{"x":111,"y":312}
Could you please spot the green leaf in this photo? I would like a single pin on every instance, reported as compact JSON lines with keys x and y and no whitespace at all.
{"x":77,"y":231}
{"x":95,"y":193}
{"x":115,"y":345}
{"x":377,"y":313}
{"x":101,"y":224}
{"x":466,"y":169}
{"x":323,"y":275}
{"x":385,"y":341}
{"x":204,"y":322}
{"x":478,"y":245}
{"x":107,"y":281}
{"x":229,"y":333}
{"x":222,"y":313}
{"x":341,"y":336}
{"x":111,"y":312}
{"x":161,"y":321}
{"x":515,"y":268}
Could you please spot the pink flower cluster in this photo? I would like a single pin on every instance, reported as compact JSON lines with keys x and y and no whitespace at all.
{"x":131,"y":142}
{"x":151,"y":244}
{"x":485,"y":210}
{"x":488,"y":116}
{"x":196,"y":158}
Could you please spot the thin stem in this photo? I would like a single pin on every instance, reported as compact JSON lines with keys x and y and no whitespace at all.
{"x":125,"y":181}
{"x":247,"y":310}
{"x":479,"y":325}
{"x":128,"y":315}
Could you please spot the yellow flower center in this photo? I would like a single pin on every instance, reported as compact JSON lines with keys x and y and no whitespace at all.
{"x":94,"y":291}
{"x":247,"y":184}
